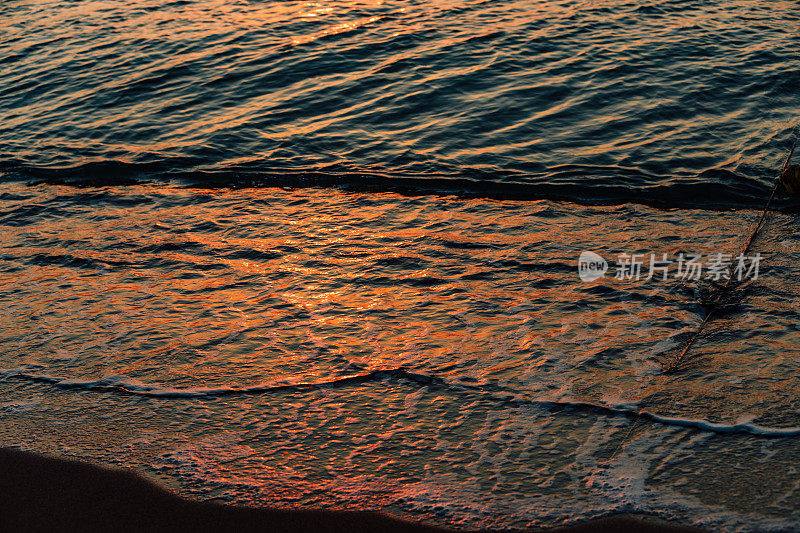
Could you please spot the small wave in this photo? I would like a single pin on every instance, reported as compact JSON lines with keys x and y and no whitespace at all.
{"x":713,"y":189}
{"x":125,"y":385}
{"x":694,"y":423}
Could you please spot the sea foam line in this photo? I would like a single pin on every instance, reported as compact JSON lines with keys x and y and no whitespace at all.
{"x":124,"y":385}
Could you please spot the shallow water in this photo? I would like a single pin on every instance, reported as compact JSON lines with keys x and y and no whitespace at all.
{"x":434,"y":357}
{"x":325,"y":254}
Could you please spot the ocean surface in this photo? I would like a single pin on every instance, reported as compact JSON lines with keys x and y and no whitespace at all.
{"x":325,"y":254}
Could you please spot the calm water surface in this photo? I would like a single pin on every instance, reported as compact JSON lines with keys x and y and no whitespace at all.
{"x":324,"y":254}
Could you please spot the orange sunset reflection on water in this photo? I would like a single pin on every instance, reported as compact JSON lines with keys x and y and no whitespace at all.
{"x":244,"y":288}
{"x":324,"y":254}
{"x":309,"y":345}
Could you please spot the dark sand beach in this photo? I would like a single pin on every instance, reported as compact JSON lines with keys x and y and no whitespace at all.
{"x":39,"y":493}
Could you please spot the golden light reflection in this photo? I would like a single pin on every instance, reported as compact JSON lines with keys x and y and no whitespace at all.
{"x":335,"y":30}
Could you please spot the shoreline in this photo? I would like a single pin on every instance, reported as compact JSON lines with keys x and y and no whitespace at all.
{"x":42,"y":493}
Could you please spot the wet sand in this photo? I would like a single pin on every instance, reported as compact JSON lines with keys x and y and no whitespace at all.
{"x":40,"y":493}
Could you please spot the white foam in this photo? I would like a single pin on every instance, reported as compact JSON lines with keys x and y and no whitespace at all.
{"x":560,"y":397}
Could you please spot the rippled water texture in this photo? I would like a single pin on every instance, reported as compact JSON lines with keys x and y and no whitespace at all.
{"x":429,"y":356}
{"x":324,"y":254}
{"x":658,"y":102}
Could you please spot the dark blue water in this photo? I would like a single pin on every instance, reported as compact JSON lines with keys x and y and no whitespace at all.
{"x":323,"y":254}
{"x":670,"y":103}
